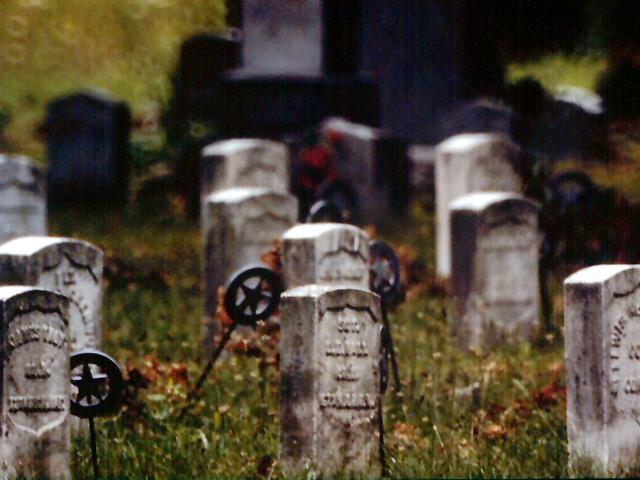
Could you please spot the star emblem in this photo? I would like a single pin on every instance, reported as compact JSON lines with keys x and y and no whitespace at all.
{"x":88,"y":385}
{"x":253,"y":297}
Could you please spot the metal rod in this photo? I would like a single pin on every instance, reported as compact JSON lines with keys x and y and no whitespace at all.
{"x":207,"y":369}
{"x":391,"y":349}
{"x":94,"y":449}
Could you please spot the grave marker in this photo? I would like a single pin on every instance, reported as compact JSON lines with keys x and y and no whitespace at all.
{"x":246,"y":162}
{"x":602,"y":334}
{"x":467,"y":163}
{"x":34,"y":425}
{"x":330,"y":356}
{"x":239,"y":226}
{"x":375,"y":165}
{"x":326,"y":254}
{"x":23,"y":200}
{"x":64,"y":265}
{"x":495,"y":244}
{"x":87,"y":147}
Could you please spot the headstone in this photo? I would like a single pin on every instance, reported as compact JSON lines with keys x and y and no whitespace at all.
{"x":239,"y":226}
{"x":330,"y":352}
{"x":87,"y":147}
{"x":467,"y":163}
{"x":70,"y":267}
{"x":23,"y":199}
{"x":495,"y":245}
{"x":325,"y":254}
{"x":374,"y":164}
{"x":244,"y":163}
{"x":602,"y":354}
{"x":35,"y":398}
{"x":301,"y":64}
{"x":283,"y":37}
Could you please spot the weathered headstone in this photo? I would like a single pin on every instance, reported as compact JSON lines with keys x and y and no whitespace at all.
{"x":374,"y":164}
{"x":602,"y":354}
{"x":239,"y":226}
{"x":87,"y":147}
{"x":325,"y":254}
{"x":244,"y":163}
{"x":330,"y":352}
{"x":495,"y":245}
{"x":34,"y":425}
{"x":23,"y":199}
{"x":467,"y":163}
{"x":64,"y":265}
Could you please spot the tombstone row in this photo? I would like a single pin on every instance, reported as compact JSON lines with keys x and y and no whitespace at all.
{"x":55,"y":310}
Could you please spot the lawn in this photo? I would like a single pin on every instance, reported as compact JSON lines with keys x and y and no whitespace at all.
{"x":514,"y":424}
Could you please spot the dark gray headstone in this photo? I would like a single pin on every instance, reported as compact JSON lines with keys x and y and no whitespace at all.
{"x":87,"y":146}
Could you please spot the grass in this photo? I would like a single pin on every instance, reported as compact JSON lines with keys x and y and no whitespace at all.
{"x":516,"y":427}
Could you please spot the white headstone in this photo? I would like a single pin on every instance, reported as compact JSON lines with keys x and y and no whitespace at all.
{"x":283,"y":37}
{"x":468,"y":163}
{"x":495,"y":244}
{"x":35,"y":394}
{"x":326,"y":254}
{"x":330,"y":351}
{"x":23,"y":200}
{"x":64,"y":265}
{"x":240,"y":225}
{"x":246,"y":162}
{"x":602,"y":354}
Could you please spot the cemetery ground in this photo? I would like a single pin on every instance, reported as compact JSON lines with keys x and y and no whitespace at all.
{"x":512,"y":423}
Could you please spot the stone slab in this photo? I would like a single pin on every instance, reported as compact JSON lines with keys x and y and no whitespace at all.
{"x":330,"y":352}
{"x":34,"y":414}
{"x":239,"y":226}
{"x":467,"y":163}
{"x":68,"y":266}
{"x":244,"y":162}
{"x":495,"y":244}
{"x":23,"y":198}
{"x":325,"y":254}
{"x":602,"y":356}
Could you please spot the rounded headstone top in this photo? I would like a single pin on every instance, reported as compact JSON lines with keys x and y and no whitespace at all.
{"x":228,"y":147}
{"x":13,"y":291}
{"x":467,"y":142}
{"x":27,"y":246}
{"x":598,"y":274}
{"x":310,"y":230}
{"x":340,"y":125}
{"x":480,"y":201}
{"x":239,"y":194}
{"x":20,"y":169}
{"x":316,"y":291}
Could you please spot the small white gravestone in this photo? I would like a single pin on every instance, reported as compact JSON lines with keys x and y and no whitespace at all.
{"x":326,"y":254}
{"x":23,"y":200}
{"x":246,"y":162}
{"x":330,"y":352}
{"x":239,"y":226}
{"x":495,"y":244}
{"x":35,"y":394}
{"x":602,"y":355}
{"x":468,"y":163}
{"x":64,"y":265}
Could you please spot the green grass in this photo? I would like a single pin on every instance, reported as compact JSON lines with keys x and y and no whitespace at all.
{"x":152,"y":326}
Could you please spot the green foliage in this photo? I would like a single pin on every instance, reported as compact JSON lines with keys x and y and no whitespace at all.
{"x":125,"y":47}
